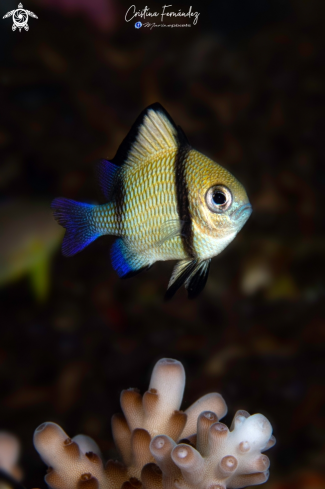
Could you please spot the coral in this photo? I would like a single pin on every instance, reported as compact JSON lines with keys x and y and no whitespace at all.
{"x":162,"y":447}
{"x":9,"y":454}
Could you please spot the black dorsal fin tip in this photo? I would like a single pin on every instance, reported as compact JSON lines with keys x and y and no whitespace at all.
{"x":183,"y":141}
{"x":127,"y":143}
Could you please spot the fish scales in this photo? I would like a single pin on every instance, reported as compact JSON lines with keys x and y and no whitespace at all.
{"x":165,"y":201}
{"x":146,"y":207}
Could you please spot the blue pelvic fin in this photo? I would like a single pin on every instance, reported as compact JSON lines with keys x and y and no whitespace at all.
{"x":126,"y":262}
{"x":75,"y":217}
{"x":107,"y":176}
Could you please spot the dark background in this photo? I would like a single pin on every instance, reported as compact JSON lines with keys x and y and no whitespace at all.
{"x":247,"y":86}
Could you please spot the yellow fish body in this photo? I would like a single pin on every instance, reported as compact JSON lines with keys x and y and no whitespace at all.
{"x":165,"y":201}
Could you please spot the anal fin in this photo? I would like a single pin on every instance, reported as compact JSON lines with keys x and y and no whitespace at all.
{"x":126,"y":262}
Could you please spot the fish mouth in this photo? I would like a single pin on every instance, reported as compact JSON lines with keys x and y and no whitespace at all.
{"x":243,"y":213}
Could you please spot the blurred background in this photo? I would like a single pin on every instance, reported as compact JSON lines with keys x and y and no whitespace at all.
{"x":246,"y":85}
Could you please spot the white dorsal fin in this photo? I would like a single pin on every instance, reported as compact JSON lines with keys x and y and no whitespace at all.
{"x":153,"y":132}
{"x":155,"y":135}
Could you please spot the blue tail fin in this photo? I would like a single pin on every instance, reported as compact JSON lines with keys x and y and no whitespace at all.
{"x":75,"y":217}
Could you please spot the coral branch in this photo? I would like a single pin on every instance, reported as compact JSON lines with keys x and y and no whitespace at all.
{"x":9,"y":454}
{"x":211,"y":402}
{"x":161,"y":446}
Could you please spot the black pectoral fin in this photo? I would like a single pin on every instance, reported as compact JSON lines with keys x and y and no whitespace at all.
{"x":181,"y":273}
{"x":196,"y":282}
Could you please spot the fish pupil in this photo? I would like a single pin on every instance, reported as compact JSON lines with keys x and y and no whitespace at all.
{"x":219,"y":198}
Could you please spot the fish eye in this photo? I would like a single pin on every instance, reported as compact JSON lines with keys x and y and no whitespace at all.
{"x":218,"y":198}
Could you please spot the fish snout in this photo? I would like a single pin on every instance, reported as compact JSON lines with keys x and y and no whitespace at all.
{"x":240,"y":215}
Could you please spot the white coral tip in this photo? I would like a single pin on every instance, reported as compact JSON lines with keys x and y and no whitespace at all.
{"x":168,"y":379}
{"x":255,"y":431}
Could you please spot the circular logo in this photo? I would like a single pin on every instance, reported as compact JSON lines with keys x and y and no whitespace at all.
{"x":20,"y":17}
{"x":137,"y":25}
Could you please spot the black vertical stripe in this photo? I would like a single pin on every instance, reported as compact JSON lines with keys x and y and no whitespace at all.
{"x":119,"y":197}
{"x":183,"y":201}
